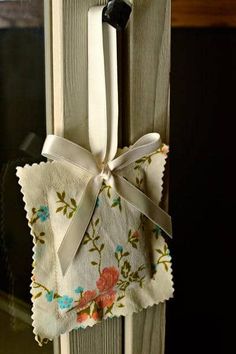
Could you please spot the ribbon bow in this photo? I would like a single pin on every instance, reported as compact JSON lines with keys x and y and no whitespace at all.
{"x":100,"y":163}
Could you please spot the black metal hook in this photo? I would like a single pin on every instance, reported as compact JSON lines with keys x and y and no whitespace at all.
{"x":117,"y":13}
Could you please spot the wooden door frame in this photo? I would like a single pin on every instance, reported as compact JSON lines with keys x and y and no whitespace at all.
{"x":152,"y":16}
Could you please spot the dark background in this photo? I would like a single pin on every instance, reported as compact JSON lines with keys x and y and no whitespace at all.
{"x":202,"y":158}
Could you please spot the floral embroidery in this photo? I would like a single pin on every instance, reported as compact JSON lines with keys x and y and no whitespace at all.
{"x":107,"y":299}
{"x":79,"y":290}
{"x":50,"y":296}
{"x":109,"y":290}
{"x":41,"y":214}
{"x":107,"y":188}
{"x":96,"y":303}
{"x":119,"y":248}
{"x":93,"y":239}
{"x":157,"y":231}
{"x":165,"y":149}
{"x":127,"y":275}
{"x":119,"y":254}
{"x":133,"y":238}
{"x":65,"y":302}
{"x":108,"y":279}
{"x":88,"y":296}
{"x":164,"y":257}
{"x":38,"y":238}
{"x":117,"y":202}
{"x":67,"y":208}
{"x":148,"y":158}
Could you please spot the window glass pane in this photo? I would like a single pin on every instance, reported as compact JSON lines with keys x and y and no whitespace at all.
{"x":22,"y":131}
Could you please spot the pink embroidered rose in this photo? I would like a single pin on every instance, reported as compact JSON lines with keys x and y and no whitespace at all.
{"x":88,"y":296}
{"x":165,"y":149}
{"x":82,"y":316}
{"x":108,"y":279}
{"x":95,"y":316}
{"x":106,"y":300}
{"x":136,"y":234}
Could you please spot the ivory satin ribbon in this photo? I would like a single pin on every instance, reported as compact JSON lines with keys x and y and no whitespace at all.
{"x":103,"y":131}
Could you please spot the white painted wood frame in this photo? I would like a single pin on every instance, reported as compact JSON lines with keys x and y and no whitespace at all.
{"x":144,"y":64}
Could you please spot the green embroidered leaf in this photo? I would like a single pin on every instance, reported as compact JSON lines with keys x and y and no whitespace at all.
{"x":159,"y":251}
{"x":33,"y":210}
{"x":37,"y":295}
{"x":73,"y":202}
{"x":36,"y":286}
{"x":96,"y":238}
{"x":63,"y":195}
{"x":94,"y":263}
{"x":59,"y":196}
{"x":129,"y":234}
{"x":42,"y":241}
{"x":166,"y":266}
{"x":102,"y":246}
{"x":64,"y":211}
{"x":59,"y":209}
{"x":165,"y":248}
{"x":108,"y":192}
{"x":149,"y":160}
{"x":85,"y":241}
{"x":92,"y":249}
{"x":134,"y":244}
{"x":120,"y":305}
{"x":97,"y":221}
{"x":125,"y":254}
{"x":71,"y":214}
{"x":116,"y":255}
{"x":142,"y":267}
{"x":42,"y":234}
{"x":137,"y":180}
{"x":120,"y":297}
{"x":125,"y":269}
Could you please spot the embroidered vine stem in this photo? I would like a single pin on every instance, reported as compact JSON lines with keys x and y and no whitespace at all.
{"x":95,"y":247}
{"x":99,"y":250}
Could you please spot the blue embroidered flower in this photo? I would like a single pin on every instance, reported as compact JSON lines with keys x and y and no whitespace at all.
{"x":65,"y":302}
{"x":43,"y":213}
{"x":50,"y":296}
{"x":119,"y":248}
{"x":97,"y":203}
{"x":79,"y":290}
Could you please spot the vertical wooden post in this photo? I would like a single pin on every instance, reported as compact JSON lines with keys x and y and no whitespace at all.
{"x":146,"y":66}
{"x":145,"y":102}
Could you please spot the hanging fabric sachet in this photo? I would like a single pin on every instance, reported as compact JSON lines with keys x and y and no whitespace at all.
{"x":98,"y":232}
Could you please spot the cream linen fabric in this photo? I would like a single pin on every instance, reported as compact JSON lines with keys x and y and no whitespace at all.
{"x":124,"y":263}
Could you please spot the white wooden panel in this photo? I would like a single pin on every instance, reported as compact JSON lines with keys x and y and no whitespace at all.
{"x":146,"y":68}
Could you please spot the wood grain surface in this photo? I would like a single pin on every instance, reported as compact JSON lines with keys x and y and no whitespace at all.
{"x":145,"y":98}
{"x":203,"y":13}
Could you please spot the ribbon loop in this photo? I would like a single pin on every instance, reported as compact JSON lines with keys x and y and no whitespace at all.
{"x":103,"y":142}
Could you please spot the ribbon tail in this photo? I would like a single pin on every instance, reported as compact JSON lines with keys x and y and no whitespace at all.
{"x":142,"y":203}
{"x":79,"y":223}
